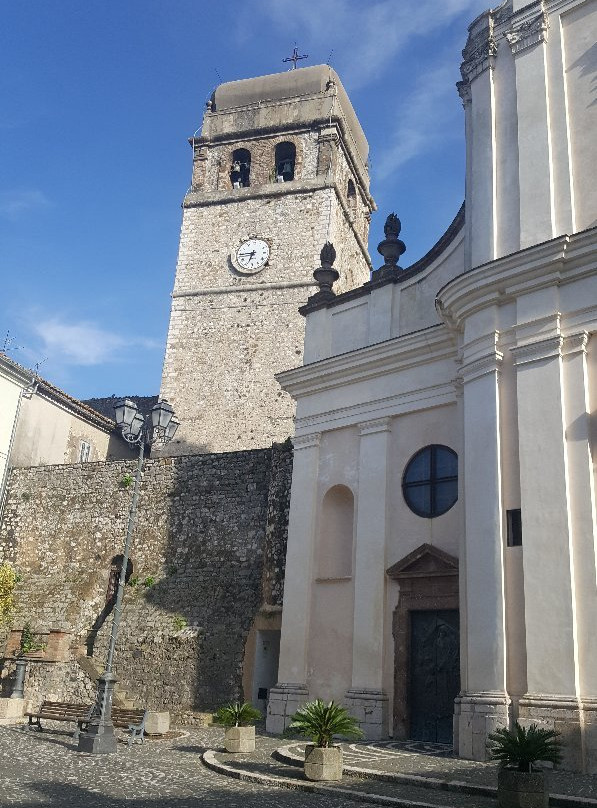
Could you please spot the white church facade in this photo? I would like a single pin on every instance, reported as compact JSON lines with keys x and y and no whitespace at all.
{"x":441,"y":574}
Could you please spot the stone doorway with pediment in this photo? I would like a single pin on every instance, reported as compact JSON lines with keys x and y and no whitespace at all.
{"x":426,"y":645}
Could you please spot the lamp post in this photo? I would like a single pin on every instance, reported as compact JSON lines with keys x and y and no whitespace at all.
{"x":138,"y":430}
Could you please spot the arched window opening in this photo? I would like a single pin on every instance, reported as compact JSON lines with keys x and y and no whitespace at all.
{"x":336,"y":533}
{"x":285,"y":161}
{"x":241,"y":168}
{"x":351,"y":196}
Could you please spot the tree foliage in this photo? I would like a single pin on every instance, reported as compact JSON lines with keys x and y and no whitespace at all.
{"x":236,"y":714}
{"x":8,"y":579}
{"x":320,"y":722}
{"x":520,"y":747}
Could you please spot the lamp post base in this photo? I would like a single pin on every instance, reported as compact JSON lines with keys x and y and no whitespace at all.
{"x":99,"y":738}
{"x":98,"y":744}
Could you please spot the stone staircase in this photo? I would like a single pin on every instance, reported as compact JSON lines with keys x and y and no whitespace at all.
{"x":93,"y":669}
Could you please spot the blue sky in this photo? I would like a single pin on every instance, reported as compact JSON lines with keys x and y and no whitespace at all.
{"x":98,"y":99}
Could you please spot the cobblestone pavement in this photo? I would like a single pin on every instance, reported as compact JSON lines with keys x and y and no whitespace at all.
{"x":434,"y":762}
{"x":437,"y":760}
{"x":44,"y":769}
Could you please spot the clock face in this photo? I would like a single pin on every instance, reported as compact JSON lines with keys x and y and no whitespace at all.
{"x":252,"y":254}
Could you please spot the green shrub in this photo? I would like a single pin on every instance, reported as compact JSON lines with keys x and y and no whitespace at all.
{"x":320,"y":722}
{"x":236,"y":714}
{"x":149,"y":581}
{"x":127,"y":480}
{"x":8,"y":579}
{"x":179,"y":622}
{"x":29,"y":644}
{"x":520,"y":747}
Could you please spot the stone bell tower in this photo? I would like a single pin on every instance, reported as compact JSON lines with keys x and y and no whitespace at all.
{"x":279,"y":169}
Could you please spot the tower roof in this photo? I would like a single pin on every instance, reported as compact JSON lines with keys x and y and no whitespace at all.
{"x":310,"y":85}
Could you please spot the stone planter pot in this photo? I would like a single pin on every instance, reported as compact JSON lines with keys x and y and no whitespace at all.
{"x":522,"y":789}
{"x":240,"y":739}
{"x":323,"y":763}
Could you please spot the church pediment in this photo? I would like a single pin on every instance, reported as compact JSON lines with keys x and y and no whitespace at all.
{"x":426,"y":561}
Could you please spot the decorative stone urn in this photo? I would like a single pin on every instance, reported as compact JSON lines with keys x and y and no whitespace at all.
{"x":522,"y":789}
{"x":240,"y":739}
{"x":323,"y":762}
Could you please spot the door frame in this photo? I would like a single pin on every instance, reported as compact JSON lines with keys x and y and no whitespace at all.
{"x":428,"y":579}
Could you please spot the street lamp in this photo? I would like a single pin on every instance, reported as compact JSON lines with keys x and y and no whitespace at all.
{"x":158,"y":427}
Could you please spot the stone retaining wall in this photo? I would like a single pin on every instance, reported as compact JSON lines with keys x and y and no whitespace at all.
{"x":208,"y":552}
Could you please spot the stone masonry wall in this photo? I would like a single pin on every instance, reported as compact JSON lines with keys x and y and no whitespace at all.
{"x":208,"y":551}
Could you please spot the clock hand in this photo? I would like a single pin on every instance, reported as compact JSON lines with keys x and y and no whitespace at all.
{"x":251,"y":254}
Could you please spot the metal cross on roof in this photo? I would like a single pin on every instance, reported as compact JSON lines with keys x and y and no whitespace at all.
{"x":295,"y":58}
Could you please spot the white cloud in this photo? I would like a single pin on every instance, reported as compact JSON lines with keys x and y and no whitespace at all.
{"x":366,"y":37}
{"x":430,"y":119}
{"x":84,"y":343}
{"x":16,"y":203}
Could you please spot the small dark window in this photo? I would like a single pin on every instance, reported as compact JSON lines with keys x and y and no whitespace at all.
{"x":514,"y":526}
{"x":241,"y":168}
{"x":285,"y":161}
{"x":430,"y":481}
{"x":351,"y":196}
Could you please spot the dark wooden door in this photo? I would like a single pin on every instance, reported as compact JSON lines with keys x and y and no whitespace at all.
{"x":434,"y":674}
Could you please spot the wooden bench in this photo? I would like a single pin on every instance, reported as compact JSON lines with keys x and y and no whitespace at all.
{"x":58,"y":711}
{"x":133,"y":720}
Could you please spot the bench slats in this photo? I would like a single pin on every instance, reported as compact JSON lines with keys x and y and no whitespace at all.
{"x":129,"y":718}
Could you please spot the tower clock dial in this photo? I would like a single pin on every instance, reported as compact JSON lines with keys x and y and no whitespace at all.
{"x":252,"y":255}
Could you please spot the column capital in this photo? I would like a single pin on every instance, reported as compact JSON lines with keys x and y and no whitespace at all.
{"x":539,"y":349}
{"x":372,"y":427}
{"x":575,"y":343}
{"x":481,"y":366}
{"x":464,"y":91}
{"x":458,"y":383}
{"x":531,"y":32}
{"x":479,"y":53}
{"x":306,"y":441}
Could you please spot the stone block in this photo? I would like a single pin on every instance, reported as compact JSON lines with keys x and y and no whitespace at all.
{"x":276,"y":724}
{"x":479,"y":746}
{"x":240,"y":739}
{"x":323,"y":764}
{"x":11,"y":709}
{"x":157,"y":723}
{"x":590,"y":739}
{"x":57,"y":646}
{"x":522,"y":789}
{"x":13,"y":643}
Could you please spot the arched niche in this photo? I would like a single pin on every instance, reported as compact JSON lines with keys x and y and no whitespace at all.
{"x":336,"y":530}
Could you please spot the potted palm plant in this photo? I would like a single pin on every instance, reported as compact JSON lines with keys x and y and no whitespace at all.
{"x":240,"y":722}
{"x":320,"y":722}
{"x":520,"y":783}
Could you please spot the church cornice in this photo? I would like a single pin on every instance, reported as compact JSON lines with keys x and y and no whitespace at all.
{"x":363,"y":364}
{"x":558,"y":261}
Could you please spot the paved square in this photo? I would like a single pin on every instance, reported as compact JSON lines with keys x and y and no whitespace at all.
{"x":44,"y":769}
